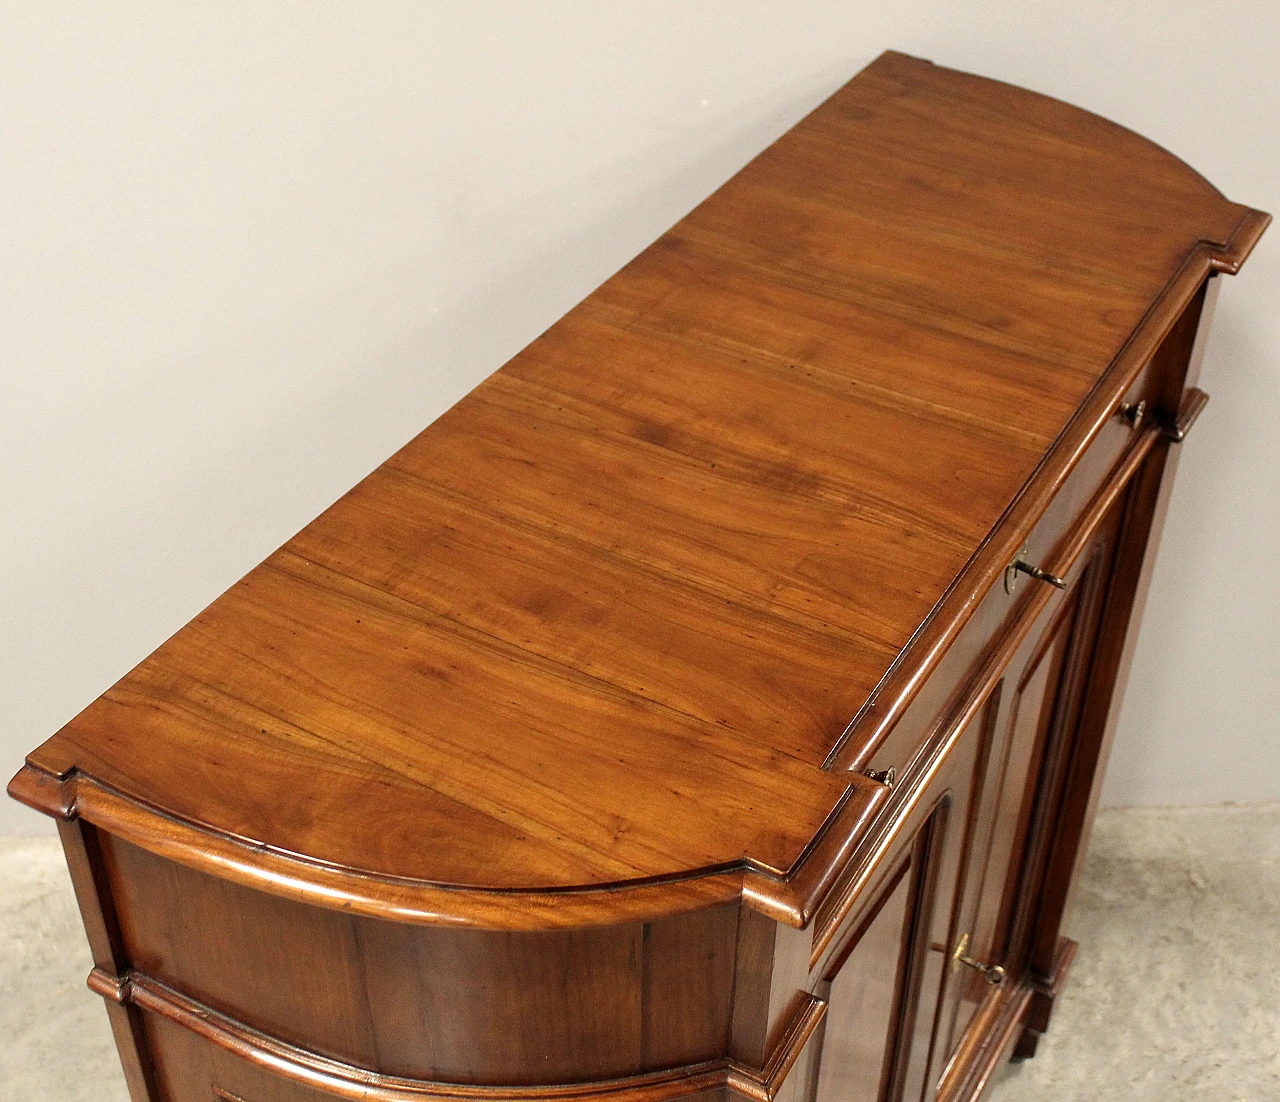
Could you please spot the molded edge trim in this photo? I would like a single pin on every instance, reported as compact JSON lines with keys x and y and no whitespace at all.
{"x":255,"y":865}
{"x":1232,"y":253}
{"x":988,"y":1042}
{"x":350,"y":1081}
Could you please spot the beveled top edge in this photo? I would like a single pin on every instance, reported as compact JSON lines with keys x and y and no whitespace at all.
{"x":81,"y":796}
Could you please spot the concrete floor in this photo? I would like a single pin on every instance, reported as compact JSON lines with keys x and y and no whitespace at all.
{"x":1175,"y":993}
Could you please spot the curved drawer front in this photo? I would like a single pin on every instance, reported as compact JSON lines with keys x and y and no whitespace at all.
{"x":430,"y":1002}
{"x":196,"y":1054}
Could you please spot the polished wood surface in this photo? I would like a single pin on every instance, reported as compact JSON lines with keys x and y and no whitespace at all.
{"x":658,"y":721}
{"x":703,"y":513}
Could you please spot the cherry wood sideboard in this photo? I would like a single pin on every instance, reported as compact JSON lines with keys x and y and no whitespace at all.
{"x":711,"y":704}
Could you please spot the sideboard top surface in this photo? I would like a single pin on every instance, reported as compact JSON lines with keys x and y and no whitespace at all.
{"x":606,"y":618}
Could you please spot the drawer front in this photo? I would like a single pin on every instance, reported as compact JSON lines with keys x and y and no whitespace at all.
{"x":190,"y":1068}
{"x":1110,"y":453}
{"x":430,"y":1002}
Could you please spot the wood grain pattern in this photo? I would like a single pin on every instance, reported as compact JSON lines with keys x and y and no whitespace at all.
{"x":857,"y":1037}
{"x":625,"y":599}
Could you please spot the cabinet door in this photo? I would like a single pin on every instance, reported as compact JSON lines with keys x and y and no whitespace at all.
{"x":1037,"y":709}
{"x":882,"y":986}
{"x":899,"y":1007}
{"x":863,"y":995}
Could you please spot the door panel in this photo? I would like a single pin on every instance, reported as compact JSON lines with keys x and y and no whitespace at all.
{"x":883,"y":987}
{"x":964,"y":777}
{"x":1042,"y":689}
{"x":1025,"y":733}
{"x":863,"y":997}
{"x":898,"y":1008}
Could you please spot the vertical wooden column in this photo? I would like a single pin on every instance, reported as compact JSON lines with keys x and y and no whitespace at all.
{"x":110,"y":974}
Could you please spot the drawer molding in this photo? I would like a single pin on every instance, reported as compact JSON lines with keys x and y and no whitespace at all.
{"x":343,"y":1080}
{"x":790,"y":898}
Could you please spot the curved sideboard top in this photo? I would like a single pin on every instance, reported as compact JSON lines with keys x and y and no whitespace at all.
{"x":609,"y":638}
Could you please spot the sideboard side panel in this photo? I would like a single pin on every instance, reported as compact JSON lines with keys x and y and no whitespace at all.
{"x":287,"y":969}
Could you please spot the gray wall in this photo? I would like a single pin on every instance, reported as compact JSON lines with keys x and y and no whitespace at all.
{"x":249,"y":249}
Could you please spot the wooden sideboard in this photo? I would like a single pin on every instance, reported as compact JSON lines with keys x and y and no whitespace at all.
{"x":713,"y":703}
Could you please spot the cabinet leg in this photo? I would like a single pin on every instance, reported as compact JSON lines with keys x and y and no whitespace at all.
{"x":1026,"y":1046}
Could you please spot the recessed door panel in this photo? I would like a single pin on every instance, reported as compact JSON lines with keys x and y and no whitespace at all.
{"x":1036,"y":709}
{"x":858,"y":1041}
